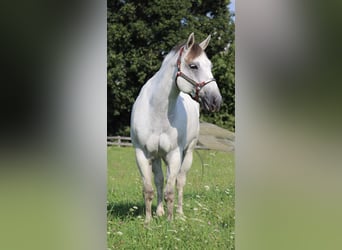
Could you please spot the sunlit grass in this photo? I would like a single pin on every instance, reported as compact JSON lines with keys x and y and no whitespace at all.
{"x":208,"y":206}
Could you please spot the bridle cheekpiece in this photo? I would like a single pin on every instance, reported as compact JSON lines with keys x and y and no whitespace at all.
{"x":198,"y":85}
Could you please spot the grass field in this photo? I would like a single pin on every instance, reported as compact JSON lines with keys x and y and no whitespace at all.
{"x":208,"y":206}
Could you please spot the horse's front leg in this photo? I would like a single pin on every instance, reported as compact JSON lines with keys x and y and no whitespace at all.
{"x":181,"y":179}
{"x":145,"y":168}
{"x":173,"y":161}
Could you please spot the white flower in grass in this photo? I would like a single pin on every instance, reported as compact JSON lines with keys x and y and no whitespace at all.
{"x":206,"y":187}
{"x":199,"y":204}
{"x":135,"y":207}
{"x":172,"y":230}
{"x":182,"y":218}
{"x":119,"y":233}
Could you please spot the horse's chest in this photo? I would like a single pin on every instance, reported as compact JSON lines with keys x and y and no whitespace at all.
{"x":162,"y":141}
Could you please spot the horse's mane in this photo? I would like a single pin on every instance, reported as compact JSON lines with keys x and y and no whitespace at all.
{"x":178,"y":47}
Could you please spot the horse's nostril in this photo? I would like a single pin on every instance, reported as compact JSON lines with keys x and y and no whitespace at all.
{"x":212,"y":108}
{"x":215,"y":103}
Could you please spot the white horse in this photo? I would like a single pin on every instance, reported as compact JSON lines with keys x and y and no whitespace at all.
{"x":165,"y":121}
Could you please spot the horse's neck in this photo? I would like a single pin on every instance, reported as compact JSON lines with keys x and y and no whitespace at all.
{"x":165,"y":91}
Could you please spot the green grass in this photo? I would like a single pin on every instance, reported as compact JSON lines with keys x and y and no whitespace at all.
{"x":208,"y":206}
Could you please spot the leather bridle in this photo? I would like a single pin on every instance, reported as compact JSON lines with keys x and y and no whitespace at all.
{"x":198,"y":85}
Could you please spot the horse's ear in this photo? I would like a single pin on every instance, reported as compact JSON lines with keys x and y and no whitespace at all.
{"x":191,"y":41}
{"x":205,"y":43}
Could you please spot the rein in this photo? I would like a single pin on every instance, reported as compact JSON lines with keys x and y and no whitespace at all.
{"x":198,"y":85}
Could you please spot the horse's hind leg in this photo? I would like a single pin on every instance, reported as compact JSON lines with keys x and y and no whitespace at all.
{"x":181,"y":179}
{"x":145,"y":168}
{"x":159,"y":181}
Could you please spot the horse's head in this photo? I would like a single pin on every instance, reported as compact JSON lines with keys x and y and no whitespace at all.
{"x":194,"y":74}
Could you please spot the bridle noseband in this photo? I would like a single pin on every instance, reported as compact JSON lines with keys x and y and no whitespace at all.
{"x":198,"y":85}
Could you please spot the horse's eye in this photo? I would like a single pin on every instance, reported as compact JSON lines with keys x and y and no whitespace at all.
{"x":193,"y":66}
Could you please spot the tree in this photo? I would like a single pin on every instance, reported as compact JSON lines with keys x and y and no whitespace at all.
{"x":141,"y":33}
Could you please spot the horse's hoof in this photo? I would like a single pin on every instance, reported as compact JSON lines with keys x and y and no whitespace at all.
{"x":170,"y":217}
{"x":160,"y":212}
{"x":179,"y":211}
{"x":147,"y":223}
{"x":147,"y":220}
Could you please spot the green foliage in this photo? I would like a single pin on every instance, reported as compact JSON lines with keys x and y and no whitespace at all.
{"x":141,"y":33}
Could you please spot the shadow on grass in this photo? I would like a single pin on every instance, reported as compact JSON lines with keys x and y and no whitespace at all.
{"x":124,"y":210}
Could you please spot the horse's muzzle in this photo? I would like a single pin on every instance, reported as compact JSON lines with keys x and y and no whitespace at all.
{"x":211,"y":103}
